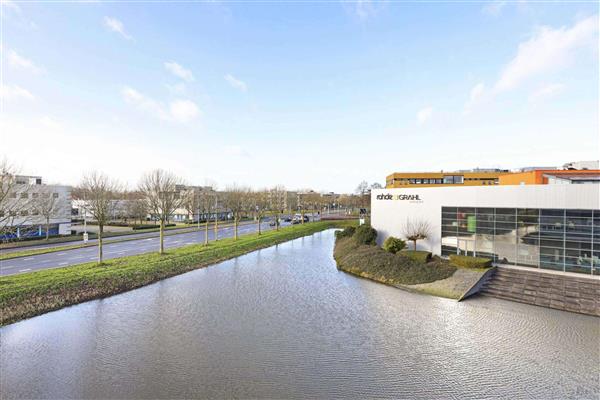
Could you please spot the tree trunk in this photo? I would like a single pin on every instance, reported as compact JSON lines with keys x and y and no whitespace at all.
{"x":206,"y":231}
{"x":161,"y":235}
{"x":415,"y":242}
{"x":47,"y":228}
{"x":258,"y":222}
{"x":216,"y":226}
{"x":276,"y":221}
{"x":235,"y":228}
{"x":100,"y":230}
{"x":302,"y":217}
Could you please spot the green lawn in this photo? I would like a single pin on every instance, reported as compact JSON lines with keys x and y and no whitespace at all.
{"x":26,"y":295}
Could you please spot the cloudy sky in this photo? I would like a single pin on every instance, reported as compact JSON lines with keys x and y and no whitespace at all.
{"x":319,"y":95}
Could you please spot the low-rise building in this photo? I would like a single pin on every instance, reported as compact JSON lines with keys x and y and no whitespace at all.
{"x":30,"y":208}
{"x":477,"y":177}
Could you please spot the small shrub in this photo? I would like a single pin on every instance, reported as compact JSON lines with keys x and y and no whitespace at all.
{"x":346,"y":232}
{"x":364,"y":234}
{"x":394,"y":245}
{"x":419,"y":256}
{"x":470,"y":262}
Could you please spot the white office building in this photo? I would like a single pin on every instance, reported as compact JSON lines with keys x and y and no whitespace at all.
{"x":29,"y":203}
{"x":554,"y":227}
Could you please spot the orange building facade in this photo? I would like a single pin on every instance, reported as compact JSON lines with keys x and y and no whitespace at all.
{"x":438,"y":179}
{"x":540,"y":176}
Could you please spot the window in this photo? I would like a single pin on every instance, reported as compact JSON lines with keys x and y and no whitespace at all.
{"x":55,"y":195}
{"x":24,"y":213}
{"x":13,"y":195}
{"x":453,"y":179}
{"x":556,"y":239}
{"x":34,"y":195}
{"x":24,"y":195}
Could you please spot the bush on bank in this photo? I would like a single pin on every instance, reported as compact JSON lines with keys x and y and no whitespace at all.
{"x":346,"y":232}
{"x":470,"y":262}
{"x":26,"y":295}
{"x":393,"y":245}
{"x":364,"y":234}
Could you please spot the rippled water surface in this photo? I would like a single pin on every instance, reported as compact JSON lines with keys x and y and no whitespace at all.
{"x":283,"y":322}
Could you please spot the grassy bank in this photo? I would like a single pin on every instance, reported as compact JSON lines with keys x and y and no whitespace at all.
{"x":374,"y":263}
{"x":356,"y":252}
{"x":26,"y":295}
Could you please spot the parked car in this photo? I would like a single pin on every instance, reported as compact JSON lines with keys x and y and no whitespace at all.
{"x":298,"y":219}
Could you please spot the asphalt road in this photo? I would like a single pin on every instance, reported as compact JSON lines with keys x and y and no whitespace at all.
{"x":115,"y":250}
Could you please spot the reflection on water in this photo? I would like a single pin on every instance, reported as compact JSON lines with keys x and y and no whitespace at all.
{"x":284,"y":322}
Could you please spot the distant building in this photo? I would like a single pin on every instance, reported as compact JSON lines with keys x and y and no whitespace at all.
{"x":477,"y":177}
{"x":20,"y":214}
{"x":581,"y":165}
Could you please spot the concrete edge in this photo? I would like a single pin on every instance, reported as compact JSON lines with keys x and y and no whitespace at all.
{"x":477,"y":286}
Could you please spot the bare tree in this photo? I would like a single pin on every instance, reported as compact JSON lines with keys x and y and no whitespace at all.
{"x":98,"y":193}
{"x":162,"y":196}
{"x":260,"y":205}
{"x":191,"y":203}
{"x":236,"y":201}
{"x":277,"y":202}
{"x":46,"y":204}
{"x":14,"y":200}
{"x":418,"y":229}
{"x":207,"y":203}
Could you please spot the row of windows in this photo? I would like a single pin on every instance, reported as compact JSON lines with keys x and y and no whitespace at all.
{"x":448,"y":179}
{"x":558,"y":239}
{"x":25,"y":195}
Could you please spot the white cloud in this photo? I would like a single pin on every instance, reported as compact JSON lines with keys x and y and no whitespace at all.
{"x":179,"y":71}
{"x":181,"y":111}
{"x":424,"y":115}
{"x":477,"y":93}
{"x":547,"y":91}
{"x":117,"y":26}
{"x":17,"y":61}
{"x":236,"y":83}
{"x":493,"y":8}
{"x":548,"y":50}
{"x":14,"y":92}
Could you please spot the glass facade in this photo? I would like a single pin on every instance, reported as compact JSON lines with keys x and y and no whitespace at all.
{"x":557,"y":239}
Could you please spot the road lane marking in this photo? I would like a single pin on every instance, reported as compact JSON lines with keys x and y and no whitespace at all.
{"x":63,"y":263}
{"x":28,"y":258}
{"x":25,"y":270}
{"x":61,"y":254}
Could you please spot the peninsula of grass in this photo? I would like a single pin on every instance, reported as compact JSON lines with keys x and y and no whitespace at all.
{"x":26,"y":295}
{"x":357,"y":254}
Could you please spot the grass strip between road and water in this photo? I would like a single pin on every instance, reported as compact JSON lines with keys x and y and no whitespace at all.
{"x":46,"y":250}
{"x":26,"y":295}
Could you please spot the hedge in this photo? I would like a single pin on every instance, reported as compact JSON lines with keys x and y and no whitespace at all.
{"x":138,"y":227}
{"x":470,"y":262}
{"x":417,"y":255}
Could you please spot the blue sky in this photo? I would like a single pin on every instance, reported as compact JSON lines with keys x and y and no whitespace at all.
{"x":319,"y":95}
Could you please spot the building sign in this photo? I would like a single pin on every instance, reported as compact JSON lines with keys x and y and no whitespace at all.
{"x":413,"y":198}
